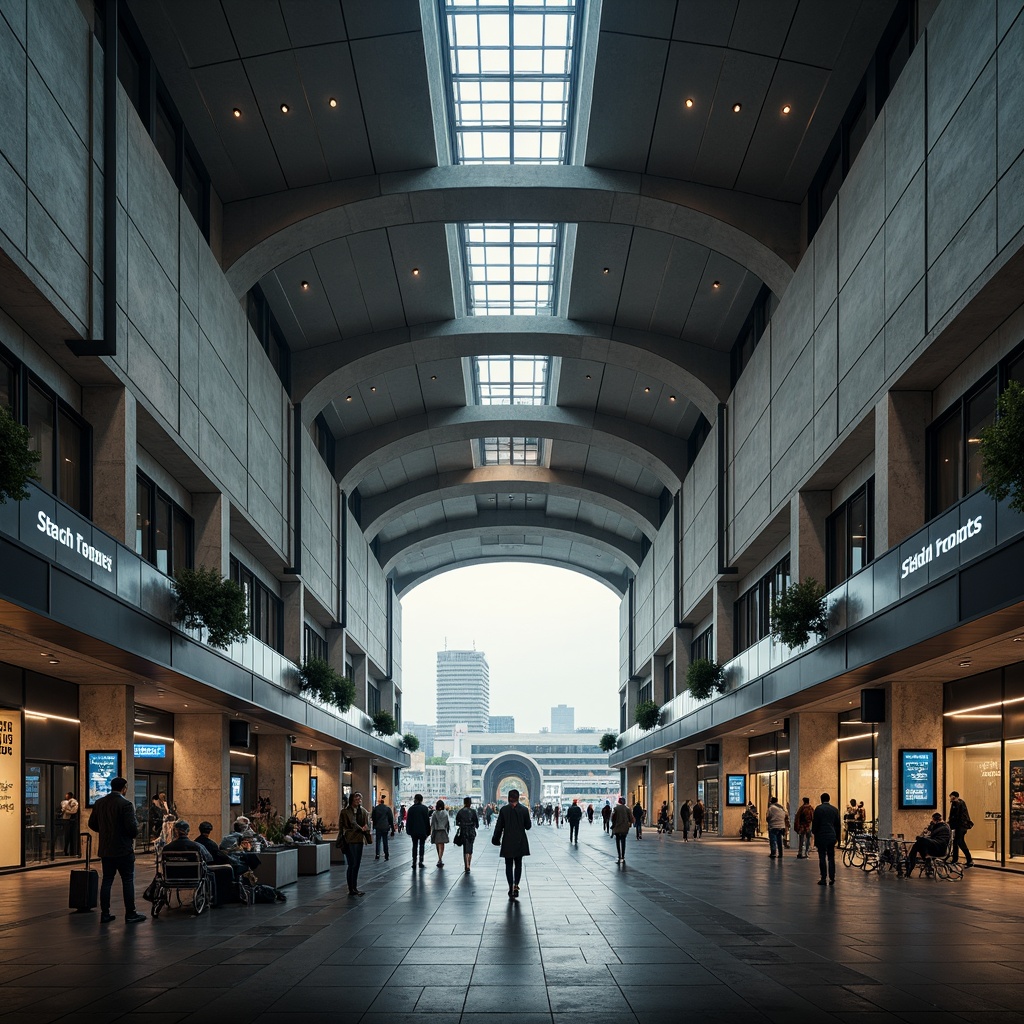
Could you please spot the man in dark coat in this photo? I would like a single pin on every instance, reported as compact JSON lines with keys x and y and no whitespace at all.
{"x":574,"y":815}
{"x":510,"y":834}
{"x":417,"y":825}
{"x":959,"y":822}
{"x":181,"y":843}
{"x":113,"y":817}
{"x":826,"y":827}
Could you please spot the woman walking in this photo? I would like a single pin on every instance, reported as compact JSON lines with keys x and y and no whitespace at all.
{"x":467,"y":822}
{"x":355,"y":827}
{"x":439,"y":827}
{"x":510,"y":834}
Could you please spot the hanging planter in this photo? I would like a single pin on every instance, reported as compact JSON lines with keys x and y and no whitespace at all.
{"x":384,"y":723}
{"x":1002,"y":448}
{"x":647,"y":715}
{"x":799,"y":611}
{"x":703,"y":678}
{"x":17,"y":460}
{"x":410,"y":742}
{"x":206,"y":600}
{"x":318,"y":678}
{"x":609,"y":742}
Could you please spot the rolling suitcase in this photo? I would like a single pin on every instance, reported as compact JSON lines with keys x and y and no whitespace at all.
{"x":85,"y":883}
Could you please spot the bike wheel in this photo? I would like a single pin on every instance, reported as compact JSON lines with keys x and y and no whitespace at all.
{"x":200,"y":899}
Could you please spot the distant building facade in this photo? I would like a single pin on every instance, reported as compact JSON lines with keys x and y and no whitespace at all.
{"x":563,"y":719}
{"x":501,"y":723}
{"x":424,"y":733}
{"x":463,"y":695}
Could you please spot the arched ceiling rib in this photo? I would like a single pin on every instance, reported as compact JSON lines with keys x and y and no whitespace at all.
{"x":537,"y":524}
{"x":761,"y":235}
{"x":380,"y":511}
{"x":651,"y":449}
{"x":321,"y":374}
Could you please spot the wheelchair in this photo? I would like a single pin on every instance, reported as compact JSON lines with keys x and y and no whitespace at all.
{"x":178,"y":872}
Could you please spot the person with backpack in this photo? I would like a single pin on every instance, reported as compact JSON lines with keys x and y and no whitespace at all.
{"x":959,"y":821}
{"x":802,"y":824}
{"x":698,"y":818}
{"x":606,"y":816}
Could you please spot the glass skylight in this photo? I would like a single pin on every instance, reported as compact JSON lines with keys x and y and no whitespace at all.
{"x":510,"y":268}
{"x":512,"y":380}
{"x":510,"y":76}
{"x":510,"y":451}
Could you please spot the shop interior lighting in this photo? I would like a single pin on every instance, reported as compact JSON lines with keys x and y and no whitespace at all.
{"x":241,"y":753}
{"x":982,"y":707}
{"x":153,"y":736}
{"x":859,"y":736}
{"x":45,"y":716}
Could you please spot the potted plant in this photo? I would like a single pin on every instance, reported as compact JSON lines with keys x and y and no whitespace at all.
{"x":799,"y":611}
{"x":609,"y":742}
{"x":17,"y":460}
{"x":647,"y":714}
{"x":1002,"y":448}
{"x":206,"y":600}
{"x":704,"y":677}
{"x":410,"y":742}
{"x":384,"y":723}
{"x":318,"y":678}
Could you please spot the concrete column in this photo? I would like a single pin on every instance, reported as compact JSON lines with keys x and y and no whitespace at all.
{"x":682,"y":637}
{"x":725,"y":598}
{"x":293,"y":597}
{"x":274,"y":771}
{"x":107,"y":714}
{"x":329,"y":764}
{"x":913,"y":718}
{"x":111,"y":412}
{"x":734,"y":762}
{"x":662,"y":693}
{"x":362,"y":777}
{"x":659,"y":788}
{"x":686,"y":778}
{"x":807,"y":514}
{"x":901,"y":419}
{"x":359,"y":677}
{"x":202,"y":771}
{"x":211,"y":513}
{"x":813,"y":758}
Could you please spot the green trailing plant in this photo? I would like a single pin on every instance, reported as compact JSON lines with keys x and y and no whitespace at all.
{"x":316,"y":677}
{"x":704,"y":677}
{"x":647,"y":714}
{"x":206,"y":600}
{"x":384,"y":723}
{"x":799,"y":611}
{"x":17,"y":461}
{"x":1002,"y":448}
{"x":609,"y":742}
{"x":410,"y":742}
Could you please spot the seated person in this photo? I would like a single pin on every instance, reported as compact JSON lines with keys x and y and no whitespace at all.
{"x":241,"y":827}
{"x":294,"y":835}
{"x":182,"y":844}
{"x":933,"y":842}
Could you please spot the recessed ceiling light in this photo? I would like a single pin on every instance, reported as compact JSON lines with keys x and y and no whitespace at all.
{"x":54,"y":661}
{"x":671,"y":398}
{"x":305,"y":286}
{"x":284,"y":108}
{"x":332,"y":102}
{"x":965,"y":663}
{"x":236,"y":112}
{"x":184,"y":705}
{"x":689,"y":102}
{"x":588,"y":376}
{"x":433,"y":376}
{"x":348,"y":398}
{"x":415,"y":271}
{"x":736,"y":108}
{"x":716,"y":284}
{"x":647,"y":391}
{"x":606,"y":270}
{"x":373,"y":388}
{"x":786,"y":109}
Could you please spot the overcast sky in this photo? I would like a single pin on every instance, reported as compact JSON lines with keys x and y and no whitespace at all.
{"x":550,"y":636}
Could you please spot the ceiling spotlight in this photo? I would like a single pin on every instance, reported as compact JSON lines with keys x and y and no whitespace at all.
{"x":965,"y":663}
{"x":305,"y":286}
{"x":53,"y":661}
{"x":647,"y":391}
{"x":348,"y":398}
{"x":184,"y":705}
{"x":284,"y":108}
{"x":736,"y":108}
{"x":605,"y":271}
{"x":236,"y":112}
{"x":716,"y":284}
{"x":786,"y":109}
{"x":689,"y":102}
{"x":373,"y":388}
{"x":1018,"y":639}
{"x":332,"y":102}
{"x":433,"y":376}
{"x":415,"y":271}
{"x":671,"y":398}
{"x":588,"y":376}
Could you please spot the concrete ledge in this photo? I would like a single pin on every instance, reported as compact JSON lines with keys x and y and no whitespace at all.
{"x":278,"y":867}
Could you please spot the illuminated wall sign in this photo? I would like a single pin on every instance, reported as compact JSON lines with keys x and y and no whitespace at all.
{"x":940,"y":547}
{"x":73,"y":541}
{"x":917,"y":778}
{"x":736,"y":790}
{"x":11,"y":811}
{"x":150,"y":749}
{"x":101,"y":766}
{"x":236,"y":790}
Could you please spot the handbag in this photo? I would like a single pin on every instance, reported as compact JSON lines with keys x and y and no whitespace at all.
{"x":149,"y":893}
{"x":969,"y":825}
{"x":458,"y":836}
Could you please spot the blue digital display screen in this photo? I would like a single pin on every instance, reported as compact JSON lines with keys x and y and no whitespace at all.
{"x":736,"y":790}
{"x":236,"y":790}
{"x":150,"y":749}
{"x":917,"y":778}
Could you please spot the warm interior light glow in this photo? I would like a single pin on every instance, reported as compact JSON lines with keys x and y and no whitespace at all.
{"x":153,"y":736}
{"x":786,"y":109}
{"x":689,"y":102}
{"x":415,"y":271}
{"x":716,"y":284}
{"x":647,"y":391}
{"x":236,"y":112}
{"x":305,"y":286}
{"x":983,"y":707}
{"x":373,"y":388}
{"x":348,"y":398}
{"x":284,"y":108}
{"x":859,"y":736}
{"x":55,"y":718}
{"x":333,"y":102}
{"x":671,"y":398}
{"x":736,"y":108}
{"x":606,"y":270}
{"x":241,"y":753}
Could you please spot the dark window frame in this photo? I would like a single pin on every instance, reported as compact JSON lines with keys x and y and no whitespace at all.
{"x":752,"y":609}
{"x":269,"y":334}
{"x":703,"y":645}
{"x":264,"y":608}
{"x":313,"y":644}
{"x":149,"y":532}
{"x":841,"y":514}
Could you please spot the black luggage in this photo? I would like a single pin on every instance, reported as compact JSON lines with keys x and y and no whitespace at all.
{"x":224,"y":888}
{"x":85,"y":883}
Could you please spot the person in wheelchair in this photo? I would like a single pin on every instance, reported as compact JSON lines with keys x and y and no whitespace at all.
{"x":933,"y":842}
{"x":182,"y":844}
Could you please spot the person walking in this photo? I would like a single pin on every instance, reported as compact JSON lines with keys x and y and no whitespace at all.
{"x":467,"y":823}
{"x":417,"y":825}
{"x":113,"y":818}
{"x":69,"y":819}
{"x":355,"y":827}
{"x":510,"y":836}
{"x":777,"y":821}
{"x":401,"y":818}
{"x":590,"y":814}
{"x":802,"y":824}
{"x":960,"y":822}
{"x":439,"y":829}
{"x":638,"y":819}
{"x":383,"y":820}
{"x":826,"y":827}
{"x":698,"y":819}
{"x":622,"y":821}
{"x":574,"y":815}
{"x":558,"y":815}
{"x":606,"y":816}
{"x":685,"y":814}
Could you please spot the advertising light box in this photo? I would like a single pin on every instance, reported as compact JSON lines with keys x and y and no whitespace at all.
{"x":917,"y":779}
{"x":736,"y":790}
{"x":150,"y":750}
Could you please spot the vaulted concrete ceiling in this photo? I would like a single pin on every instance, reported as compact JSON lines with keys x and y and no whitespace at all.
{"x":675,"y":216}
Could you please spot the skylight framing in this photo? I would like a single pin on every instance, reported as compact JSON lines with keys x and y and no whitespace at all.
{"x":511,"y":379}
{"x":511,"y":76}
{"x":511,"y":269}
{"x":511,"y":451}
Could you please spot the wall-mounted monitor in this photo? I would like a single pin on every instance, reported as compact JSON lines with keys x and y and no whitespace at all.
{"x":917,"y":779}
{"x":100,"y":767}
{"x":735,"y":791}
{"x":236,"y":790}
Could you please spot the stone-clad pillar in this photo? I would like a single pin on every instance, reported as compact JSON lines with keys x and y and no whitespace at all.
{"x":274,"y":771}
{"x":293,"y":598}
{"x":686,"y":779}
{"x":202,"y":771}
{"x":211,"y":513}
{"x":107,"y":714}
{"x":901,"y":419}
{"x":362,"y":778}
{"x":808,"y":512}
{"x":813,"y":758}
{"x":725,"y":599}
{"x":659,"y":789}
{"x":734,"y":762}
{"x":110,"y":411}
{"x":328,"y":785}
{"x":913,"y":718}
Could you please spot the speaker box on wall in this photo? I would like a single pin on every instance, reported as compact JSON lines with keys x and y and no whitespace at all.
{"x":711,"y":753}
{"x":238,"y":732}
{"x":872,"y":705}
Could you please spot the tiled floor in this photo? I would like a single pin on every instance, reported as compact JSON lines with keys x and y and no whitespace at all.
{"x":712,"y":931}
